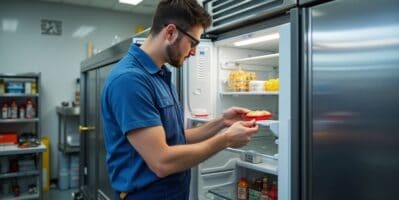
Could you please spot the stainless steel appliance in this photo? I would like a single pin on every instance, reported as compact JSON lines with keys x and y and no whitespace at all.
{"x":350,"y":112}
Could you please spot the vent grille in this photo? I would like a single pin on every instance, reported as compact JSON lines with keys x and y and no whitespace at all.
{"x":230,"y":13}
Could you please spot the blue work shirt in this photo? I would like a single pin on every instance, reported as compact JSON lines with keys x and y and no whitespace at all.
{"x":138,"y":94}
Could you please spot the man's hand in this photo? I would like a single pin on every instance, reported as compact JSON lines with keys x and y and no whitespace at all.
{"x":233,"y":114}
{"x":239,"y":134}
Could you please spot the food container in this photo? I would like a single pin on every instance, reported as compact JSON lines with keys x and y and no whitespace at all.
{"x":238,"y":80}
{"x":257,"y":115}
{"x":256,"y":86}
{"x":15,"y":87}
{"x":251,"y":156}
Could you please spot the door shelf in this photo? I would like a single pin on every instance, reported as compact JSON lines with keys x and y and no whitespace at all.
{"x":226,"y":192}
{"x":269,"y":166}
{"x":249,"y":93}
{"x":14,"y":149}
{"x":265,"y":123}
{"x":3,"y":121}
{"x":19,"y":174}
{"x":18,"y":95}
{"x":23,"y":196}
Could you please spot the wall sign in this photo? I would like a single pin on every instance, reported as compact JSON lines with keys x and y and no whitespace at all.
{"x":51,"y":27}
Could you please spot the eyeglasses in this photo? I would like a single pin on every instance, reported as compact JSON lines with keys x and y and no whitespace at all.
{"x":194,"y":41}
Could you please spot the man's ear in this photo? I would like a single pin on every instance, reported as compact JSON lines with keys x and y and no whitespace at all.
{"x":170,"y":33}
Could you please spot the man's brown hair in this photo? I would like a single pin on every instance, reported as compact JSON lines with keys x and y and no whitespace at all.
{"x":183,"y":13}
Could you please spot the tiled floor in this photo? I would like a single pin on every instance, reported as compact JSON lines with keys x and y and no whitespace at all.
{"x":56,"y":194}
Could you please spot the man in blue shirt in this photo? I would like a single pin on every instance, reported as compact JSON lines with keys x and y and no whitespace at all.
{"x":149,"y":154}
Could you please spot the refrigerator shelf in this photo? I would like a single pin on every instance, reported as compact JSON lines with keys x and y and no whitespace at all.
{"x":249,"y":93}
{"x":265,"y":123}
{"x":269,"y":166}
{"x":226,"y":192}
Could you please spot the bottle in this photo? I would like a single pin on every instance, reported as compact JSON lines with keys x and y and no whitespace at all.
{"x":264,"y":192}
{"x":242,"y":189}
{"x":14,"y":110}
{"x":28,"y":87}
{"x":273,"y":191}
{"x":4,"y":111}
{"x":30,"y":109}
{"x":2,"y":87}
{"x":77,"y":92}
{"x":34,"y":88}
{"x":21,"y":112}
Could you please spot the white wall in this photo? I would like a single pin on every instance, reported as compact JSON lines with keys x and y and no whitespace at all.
{"x":57,"y":57}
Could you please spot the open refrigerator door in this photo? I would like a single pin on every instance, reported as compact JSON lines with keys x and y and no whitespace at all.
{"x":251,"y":70}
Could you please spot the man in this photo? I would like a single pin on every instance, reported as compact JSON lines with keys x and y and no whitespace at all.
{"x":149,"y":153}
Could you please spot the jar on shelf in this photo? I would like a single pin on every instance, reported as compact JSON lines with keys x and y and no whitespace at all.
{"x":34,"y":88}
{"x":2,"y":87}
{"x":14,"y":110}
{"x":30,"y":109}
{"x":4,"y":111}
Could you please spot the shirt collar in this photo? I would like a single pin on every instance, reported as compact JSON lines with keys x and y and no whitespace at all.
{"x":144,"y":59}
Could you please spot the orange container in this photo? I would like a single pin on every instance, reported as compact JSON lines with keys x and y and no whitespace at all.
{"x":8,"y":138}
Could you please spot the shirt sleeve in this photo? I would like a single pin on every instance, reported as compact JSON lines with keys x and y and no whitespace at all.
{"x":132,"y":102}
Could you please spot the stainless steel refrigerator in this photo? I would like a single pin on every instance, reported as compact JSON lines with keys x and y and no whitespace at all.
{"x":349,"y":127}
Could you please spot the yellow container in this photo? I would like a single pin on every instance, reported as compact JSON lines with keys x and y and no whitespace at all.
{"x":46,"y":165}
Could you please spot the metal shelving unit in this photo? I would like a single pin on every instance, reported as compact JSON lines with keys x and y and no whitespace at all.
{"x":19,"y":125}
{"x":19,"y":174}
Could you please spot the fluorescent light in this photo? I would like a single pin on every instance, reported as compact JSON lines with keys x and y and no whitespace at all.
{"x":9,"y":25}
{"x":83,"y":31}
{"x":256,"y":57}
{"x":257,"y":40}
{"x":132,"y":2}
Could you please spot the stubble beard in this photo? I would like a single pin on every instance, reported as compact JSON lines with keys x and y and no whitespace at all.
{"x":173,"y":54}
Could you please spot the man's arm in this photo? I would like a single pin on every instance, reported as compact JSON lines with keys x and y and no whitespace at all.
{"x":207,"y":130}
{"x":164,"y":160}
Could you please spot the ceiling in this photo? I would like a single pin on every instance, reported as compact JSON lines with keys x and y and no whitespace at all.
{"x":144,"y":7}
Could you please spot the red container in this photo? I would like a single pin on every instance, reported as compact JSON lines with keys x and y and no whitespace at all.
{"x":8,"y":138}
{"x":257,"y":118}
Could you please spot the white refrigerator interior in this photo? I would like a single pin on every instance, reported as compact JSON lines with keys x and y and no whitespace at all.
{"x":207,"y":94}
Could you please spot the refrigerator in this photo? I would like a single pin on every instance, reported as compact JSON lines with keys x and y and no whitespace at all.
{"x":207,"y":91}
{"x":334,"y":128}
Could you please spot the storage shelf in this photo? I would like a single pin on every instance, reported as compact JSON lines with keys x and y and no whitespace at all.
{"x":249,"y":93}
{"x":18,"y":120}
{"x":19,"y":174}
{"x":18,"y":95}
{"x":14,"y":149}
{"x":23,"y":196}
{"x":264,"y":60}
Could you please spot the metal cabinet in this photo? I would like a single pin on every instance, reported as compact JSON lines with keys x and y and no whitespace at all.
{"x":94,"y":181}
